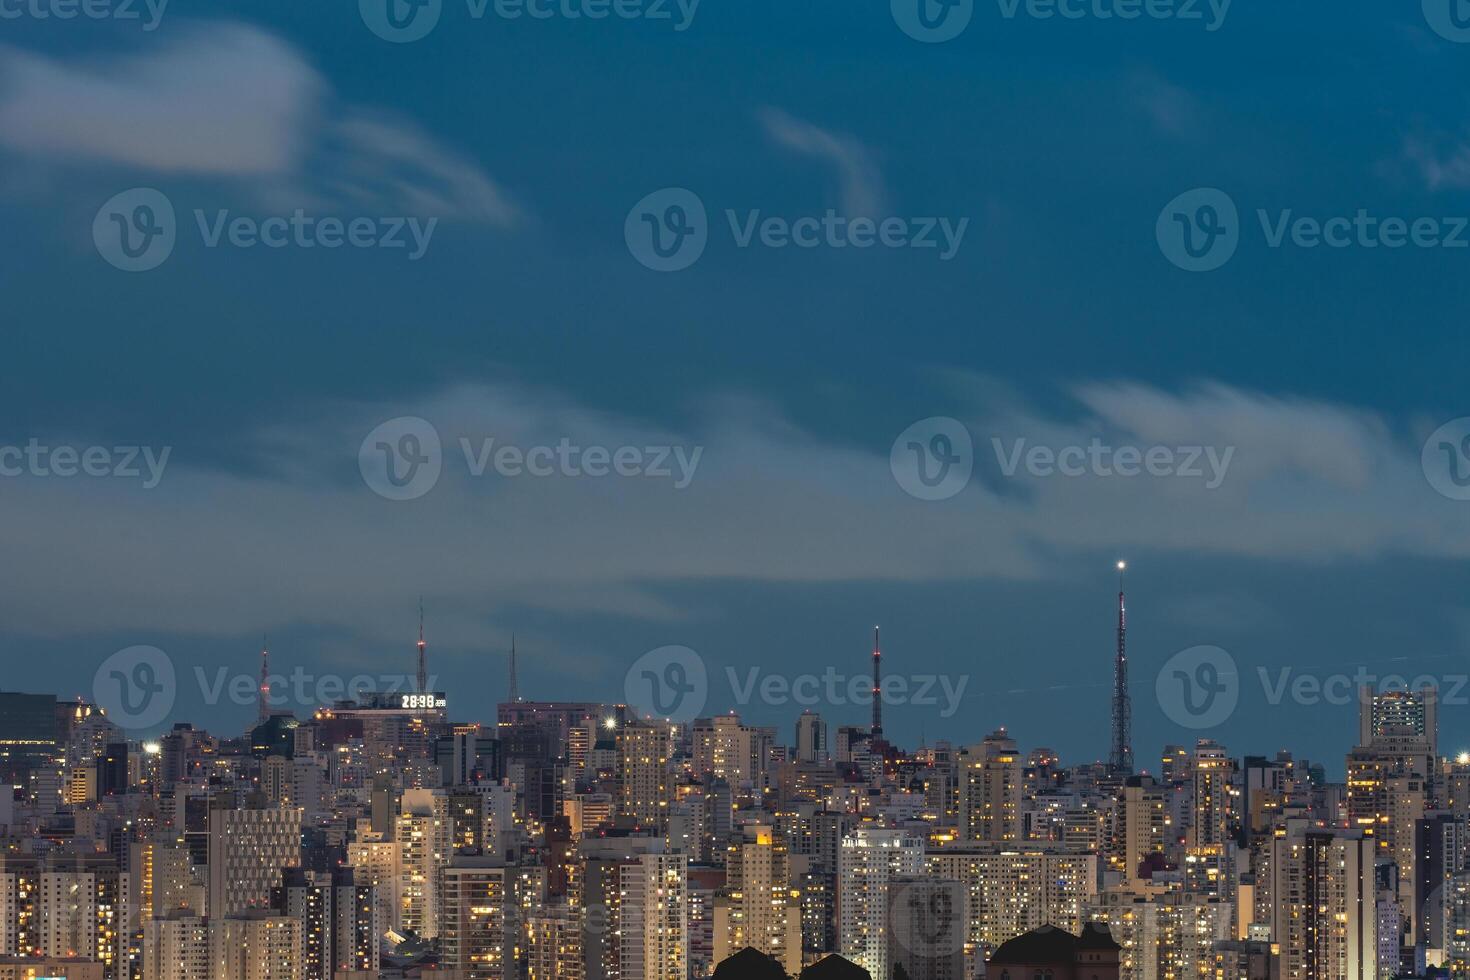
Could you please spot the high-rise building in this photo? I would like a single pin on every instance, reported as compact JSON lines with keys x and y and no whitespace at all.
{"x":255,"y":945}
{"x":84,"y":908}
{"x":176,"y":946}
{"x":757,"y":907}
{"x":1165,"y":937}
{"x":1013,"y":890}
{"x":476,"y":919}
{"x":422,"y":834}
{"x":1325,"y":907}
{"x":645,"y":781}
{"x":653,"y":923}
{"x":734,"y":752}
{"x":869,"y":860}
{"x":1141,"y":826}
{"x":554,"y":944}
{"x":990,"y":791}
{"x":811,"y":738}
{"x":926,"y":929}
{"x":248,"y":849}
{"x":339,"y":921}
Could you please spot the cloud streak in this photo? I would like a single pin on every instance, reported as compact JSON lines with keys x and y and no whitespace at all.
{"x":226,"y":101}
{"x":860,"y":180}
{"x":1311,"y":482}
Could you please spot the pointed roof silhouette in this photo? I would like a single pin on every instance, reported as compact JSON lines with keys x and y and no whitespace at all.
{"x":1052,"y":945}
{"x":835,"y":968}
{"x":750,"y":964}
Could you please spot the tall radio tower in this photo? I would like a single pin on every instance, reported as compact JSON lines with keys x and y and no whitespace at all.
{"x":265,"y":680}
{"x":877,"y":686}
{"x":423,"y":654}
{"x":1121,"y":761}
{"x":515,"y":687}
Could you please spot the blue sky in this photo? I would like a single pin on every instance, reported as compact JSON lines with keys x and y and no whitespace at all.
{"x":527,"y":320}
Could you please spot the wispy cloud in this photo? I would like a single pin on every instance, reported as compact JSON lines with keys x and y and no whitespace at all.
{"x":858,"y":174}
{"x":1310,"y":482}
{"x":229,"y":101}
{"x":1442,"y":164}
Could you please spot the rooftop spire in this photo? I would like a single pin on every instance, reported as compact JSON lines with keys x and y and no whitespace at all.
{"x":423,"y":653}
{"x":515,"y":690}
{"x":1121,"y":759}
{"x":877,"y":685}
{"x":265,"y":684}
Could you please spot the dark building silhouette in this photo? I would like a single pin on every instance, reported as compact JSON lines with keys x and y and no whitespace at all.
{"x":1057,"y":954}
{"x":750,"y":964}
{"x":835,"y":968}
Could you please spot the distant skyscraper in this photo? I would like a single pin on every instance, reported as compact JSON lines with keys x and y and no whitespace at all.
{"x":811,"y":738}
{"x":645,"y":780}
{"x":990,"y":791}
{"x":1121,"y":759}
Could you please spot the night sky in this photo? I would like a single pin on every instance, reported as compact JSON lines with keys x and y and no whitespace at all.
{"x":1060,"y":319}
